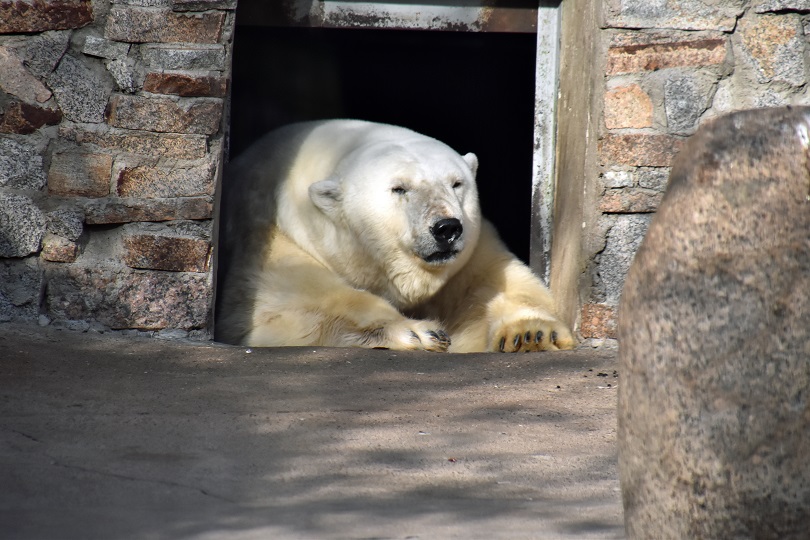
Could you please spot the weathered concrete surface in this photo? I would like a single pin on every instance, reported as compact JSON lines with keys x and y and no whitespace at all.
{"x":112,"y":437}
{"x":714,"y":416}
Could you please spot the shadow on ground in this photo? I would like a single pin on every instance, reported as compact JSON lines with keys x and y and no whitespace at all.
{"x":129,"y":438}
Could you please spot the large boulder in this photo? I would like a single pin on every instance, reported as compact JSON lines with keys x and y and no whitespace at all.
{"x":714,"y":333}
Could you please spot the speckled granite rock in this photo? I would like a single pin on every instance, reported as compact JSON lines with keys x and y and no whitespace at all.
{"x":714,"y":333}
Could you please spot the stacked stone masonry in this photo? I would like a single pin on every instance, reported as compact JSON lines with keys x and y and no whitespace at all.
{"x":111,"y":139}
{"x":111,"y":143}
{"x":669,"y":66}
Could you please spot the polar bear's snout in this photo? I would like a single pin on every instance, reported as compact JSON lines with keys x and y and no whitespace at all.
{"x":446,"y":232}
{"x":444,"y":242}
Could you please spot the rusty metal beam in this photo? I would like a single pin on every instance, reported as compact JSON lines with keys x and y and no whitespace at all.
{"x":448,"y":15}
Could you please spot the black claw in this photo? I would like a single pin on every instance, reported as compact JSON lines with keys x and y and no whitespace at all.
{"x":528,"y":337}
{"x":415,"y":337}
{"x":502,"y":344}
{"x":439,"y":337}
{"x":539,"y":337}
{"x":516,"y":341}
{"x":554,"y":337}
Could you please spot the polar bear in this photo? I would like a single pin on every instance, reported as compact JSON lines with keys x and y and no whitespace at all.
{"x":352,"y":233}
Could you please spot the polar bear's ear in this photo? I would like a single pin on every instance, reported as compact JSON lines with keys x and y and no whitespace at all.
{"x":326,"y":195}
{"x":472,"y":162}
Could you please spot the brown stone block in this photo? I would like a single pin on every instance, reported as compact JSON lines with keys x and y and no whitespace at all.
{"x":105,"y":211}
{"x":24,"y":119}
{"x":630,"y":201}
{"x":80,"y":174}
{"x":147,"y":300}
{"x":598,"y":321}
{"x":154,"y":182}
{"x":628,"y":107}
{"x":629,"y":53}
{"x":58,"y":249}
{"x":146,"y":144}
{"x":138,"y":25}
{"x":15,"y":79}
{"x":165,"y":115}
{"x":775,"y":45}
{"x":175,"y":254}
{"x":24,"y":16}
{"x":638,"y":150}
{"x":181,"y":84}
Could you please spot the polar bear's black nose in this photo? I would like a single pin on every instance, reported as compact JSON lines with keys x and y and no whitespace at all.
{"x":447,"y":231}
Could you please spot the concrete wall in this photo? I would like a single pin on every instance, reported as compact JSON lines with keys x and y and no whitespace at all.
{"x":110,"y":148}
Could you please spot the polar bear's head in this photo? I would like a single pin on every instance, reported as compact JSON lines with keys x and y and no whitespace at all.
{"x":410,"y":207}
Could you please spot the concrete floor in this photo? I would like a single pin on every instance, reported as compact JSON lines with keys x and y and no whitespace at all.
{"x":106,"y":437}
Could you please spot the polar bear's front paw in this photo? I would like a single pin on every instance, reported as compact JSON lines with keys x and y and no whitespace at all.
{"x":412,"y":335}
{"x":532,"y":335}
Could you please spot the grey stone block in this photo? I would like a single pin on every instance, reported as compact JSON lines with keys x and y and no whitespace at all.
{"x":125,"y":73}
{"x":618,"y":179}
{"x":200,"y":230}
{"x":202,"y":5}
{"x":714,"y":409}
{"x":41,"y":53}
{"x":21,"y":284}
{"x":20,"y":165}
{"x":198,"y":57}
{"x":21,"y":226}
{"x":645,"y":9}
{"x":104,"y":48}
{"x":622,"y":241}
{"x":686,"y":97}
{"x":769,"y":6}
{"x":66,"y":223}
{"x":81,"y":92}
{"x":655,"y":179}
{"x":684,"y":14}
{"x":145,"y":3}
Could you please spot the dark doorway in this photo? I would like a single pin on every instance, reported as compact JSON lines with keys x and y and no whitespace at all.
{"x":473,"y":91}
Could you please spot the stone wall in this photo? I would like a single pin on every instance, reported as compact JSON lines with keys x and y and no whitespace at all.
{"x":669,"y":67}
{"x":111,"y":143}
{"x":111,"y":140}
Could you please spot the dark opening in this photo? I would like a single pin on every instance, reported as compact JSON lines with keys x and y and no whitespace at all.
{"x":473,"y":91}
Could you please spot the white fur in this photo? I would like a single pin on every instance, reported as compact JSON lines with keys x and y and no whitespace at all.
{"x":327,"y":241}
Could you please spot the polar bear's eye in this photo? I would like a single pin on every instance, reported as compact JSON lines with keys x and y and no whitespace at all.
{"x":399,"y":190}
{"x":457,"y":184}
